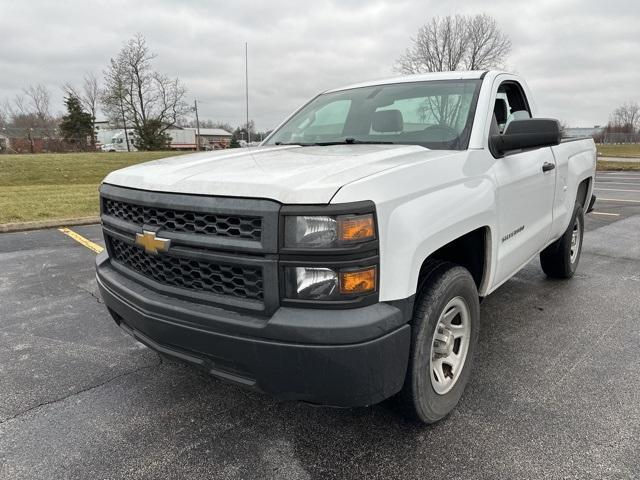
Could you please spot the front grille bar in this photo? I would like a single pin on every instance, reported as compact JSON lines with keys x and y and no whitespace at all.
{"x":216,"y":223}
{"x":190,"y":274}
{"x":200,"y":223}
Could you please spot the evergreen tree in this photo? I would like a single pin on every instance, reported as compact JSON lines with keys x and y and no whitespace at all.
{"x":234,"y":140}
{"x":77,"y":125}
{"x":151,"y":136}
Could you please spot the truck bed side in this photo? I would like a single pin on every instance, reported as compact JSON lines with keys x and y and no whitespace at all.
{"x":575,"y":163}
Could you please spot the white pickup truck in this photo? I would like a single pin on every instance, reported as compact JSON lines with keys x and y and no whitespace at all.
{"x":342,"y":261}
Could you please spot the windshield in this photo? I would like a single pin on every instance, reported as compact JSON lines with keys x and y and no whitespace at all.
{"x":434,"y":114}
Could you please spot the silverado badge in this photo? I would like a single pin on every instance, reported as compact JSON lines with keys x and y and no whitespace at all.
{"x":151,"y":243}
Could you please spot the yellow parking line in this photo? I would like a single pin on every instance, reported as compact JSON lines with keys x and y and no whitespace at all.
{"x":81,"y":240}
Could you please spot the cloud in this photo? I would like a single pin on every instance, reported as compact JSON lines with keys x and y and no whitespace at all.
{"x":579,"y":57}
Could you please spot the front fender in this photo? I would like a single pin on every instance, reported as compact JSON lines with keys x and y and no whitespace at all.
{"x":422,"y":207}
{"x":427,"y":223}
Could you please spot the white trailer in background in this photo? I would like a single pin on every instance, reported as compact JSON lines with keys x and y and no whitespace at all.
{"x":116,"y":141}
{"x":182,"y":138}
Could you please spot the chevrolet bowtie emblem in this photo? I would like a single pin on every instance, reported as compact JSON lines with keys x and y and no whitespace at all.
{"x":151,"y":243}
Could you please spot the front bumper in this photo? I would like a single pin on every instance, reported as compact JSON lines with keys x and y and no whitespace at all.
{"x":344,"y":358}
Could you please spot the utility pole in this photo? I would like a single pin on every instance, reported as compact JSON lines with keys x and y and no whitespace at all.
{"x":124,"y":123}
{"x":31,"y":149}
{"x":195,"y":107}
{"x":246,"y":91}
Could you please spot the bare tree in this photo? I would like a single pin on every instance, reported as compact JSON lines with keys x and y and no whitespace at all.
{"x":18,"y":106}
{"x":29,"y":110}
{"x":487,"y":47}
{"x":5,"y":114}
{"x":38,"y":100}
{"x":563,"y":128}
{"x":455,"y":43}
{"x":149,"y":100}
{"x":626,"y":118}
{"x":439,"y":45}
{"x":113,"y":96}
{"x":89,"y":96}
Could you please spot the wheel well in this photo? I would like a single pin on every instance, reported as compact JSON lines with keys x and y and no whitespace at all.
{"x":583,"y":189}
{"x":468,"y":251}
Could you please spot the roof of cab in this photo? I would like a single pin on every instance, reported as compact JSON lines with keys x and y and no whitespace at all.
{"x":420,"y":77}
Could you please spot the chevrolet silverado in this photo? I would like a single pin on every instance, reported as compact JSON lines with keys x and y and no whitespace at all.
{"x":342,"y":261}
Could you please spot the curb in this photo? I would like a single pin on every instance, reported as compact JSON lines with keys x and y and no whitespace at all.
{"x":42,"y":224}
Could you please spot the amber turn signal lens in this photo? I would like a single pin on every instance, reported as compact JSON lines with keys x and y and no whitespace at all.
{"x":360,"y":281}
{"x":356,"y":228}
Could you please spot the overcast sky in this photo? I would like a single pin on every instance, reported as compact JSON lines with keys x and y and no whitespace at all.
{"x":580,"y":58}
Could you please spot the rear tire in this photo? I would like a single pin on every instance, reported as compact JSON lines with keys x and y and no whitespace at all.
{"x":445,"y":329}
{"x":561,"y":258}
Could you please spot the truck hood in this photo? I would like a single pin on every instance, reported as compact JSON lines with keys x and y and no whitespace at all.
{"x":288,"y":174}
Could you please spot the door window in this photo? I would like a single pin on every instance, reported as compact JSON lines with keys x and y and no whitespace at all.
{"x":510,"y":104}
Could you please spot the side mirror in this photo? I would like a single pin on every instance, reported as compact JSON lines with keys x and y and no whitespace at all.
{"x":523,"y":134}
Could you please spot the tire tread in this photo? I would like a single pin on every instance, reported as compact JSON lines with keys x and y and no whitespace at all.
{"x":431,"y":287}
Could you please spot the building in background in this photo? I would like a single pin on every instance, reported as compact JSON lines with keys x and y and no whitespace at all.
{"x":213,"y":138}
{"x":4,"y":143}
{"x":581,"y":132}
{"x":31,"y":140}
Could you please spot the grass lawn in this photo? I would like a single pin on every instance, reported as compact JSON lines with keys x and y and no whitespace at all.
{"x":58,"y":186}
{"x":623,"y":150}
{"x":620,"y":166}
{"x":64,"y":186}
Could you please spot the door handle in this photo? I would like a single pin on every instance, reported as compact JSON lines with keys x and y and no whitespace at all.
{"x":547,"y":166}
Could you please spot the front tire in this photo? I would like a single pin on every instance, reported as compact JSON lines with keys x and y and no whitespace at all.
{"x":561,"y":258}
{"x":444,"y":335}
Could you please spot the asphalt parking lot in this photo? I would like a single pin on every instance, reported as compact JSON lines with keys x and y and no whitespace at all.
{"x":618,"y":197}
{"x":555,"y":392}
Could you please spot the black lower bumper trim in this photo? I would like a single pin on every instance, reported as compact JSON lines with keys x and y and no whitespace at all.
{"x":185,"y":357}
{"x":344,"y":375}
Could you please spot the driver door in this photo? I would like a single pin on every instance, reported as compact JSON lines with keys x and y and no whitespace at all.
{"x":525,"y":191}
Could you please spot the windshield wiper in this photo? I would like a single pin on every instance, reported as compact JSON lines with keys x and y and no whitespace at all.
{"x":346,"y":141}
{"x":352,"y":141}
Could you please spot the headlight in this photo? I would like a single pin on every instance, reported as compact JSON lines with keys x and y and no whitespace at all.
{"x":321,"y":283}
{"x":312,"y":231}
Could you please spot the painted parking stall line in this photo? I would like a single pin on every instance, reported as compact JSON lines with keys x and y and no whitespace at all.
{"x":616,"y":190}
{"x":624,"y":187}
{"x":607,"y":214}
{"x":618,"y":183}
{"x":82,"y":240}
{"x":617,"y":200}
{"x":602,"y":177}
